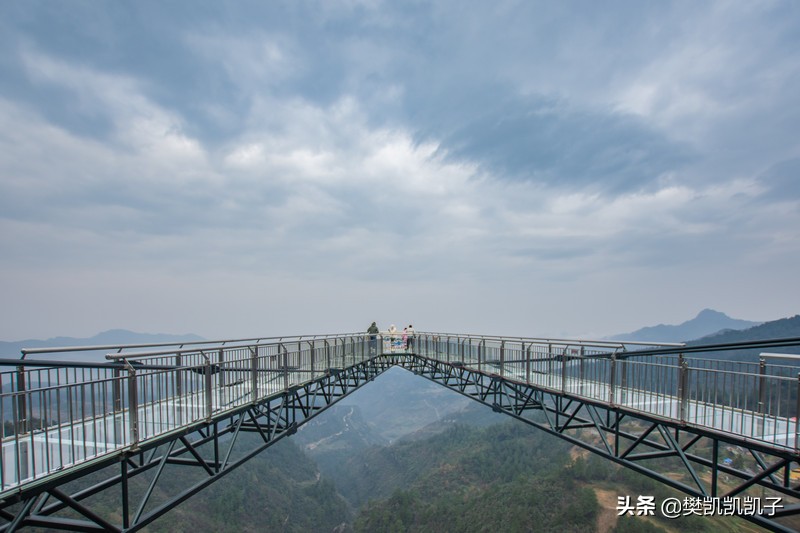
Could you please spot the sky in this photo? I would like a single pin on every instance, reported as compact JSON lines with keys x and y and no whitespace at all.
{"x":536,"y":168}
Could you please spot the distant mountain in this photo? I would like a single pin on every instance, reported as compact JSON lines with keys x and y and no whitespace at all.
{"x":707,"y":322}
{"x":776,"y":329}
{"x":113,"y":336}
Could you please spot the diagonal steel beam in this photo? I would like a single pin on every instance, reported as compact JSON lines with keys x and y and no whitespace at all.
{"x":152,"y":486}
{"x":85,"y":511}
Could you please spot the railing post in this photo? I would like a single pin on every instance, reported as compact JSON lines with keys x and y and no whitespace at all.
{"x":526,"y":353}
{"x":327,"y":355}
{"x":683,"y":388}
{"x":502,"y":358}
{"x":311,"y":347}
{"x":178,"y":375}
{"x":285,"y":368}
{"x":209,"y":387}
{"x":624,"y":381}
{"x":254,"y":372}
{"x":762,"y":371}
{"x":582,"y":369}
{"x":564,"y":370}
{"x":797,"y":418}
{"x":343,"y":352}
{"x":612,"y":379}
{"x":220,"y":362}
{"x":116,"y":391}
{"x":21,"y":426}
{"x":133,"y":405}
{"x":481,"y":354}
{"x":448,"y":348}
{"x":22,"y":402}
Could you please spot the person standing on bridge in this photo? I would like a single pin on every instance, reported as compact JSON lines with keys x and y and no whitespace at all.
{"x":373,"y":339}
{"x":394,"y":344}
{"x":410,"y":339}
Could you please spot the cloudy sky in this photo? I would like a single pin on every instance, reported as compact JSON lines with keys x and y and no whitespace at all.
{"x":531,"y":168}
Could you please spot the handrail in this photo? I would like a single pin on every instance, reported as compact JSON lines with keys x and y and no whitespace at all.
{"x":43,"y":363}
{"x":116,"y":365}
{"x":698,"y":348}
{"x":215,"y":343}
{"x":787,"y":356}
{"x":577,"y":342}
{"x":140,"y":355}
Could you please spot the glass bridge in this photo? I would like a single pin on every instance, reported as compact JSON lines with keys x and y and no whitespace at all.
{"x":68,"y":412}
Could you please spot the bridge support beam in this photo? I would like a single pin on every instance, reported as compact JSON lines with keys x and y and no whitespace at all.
{"x":214,"y":448}
{"x":632,"y":440}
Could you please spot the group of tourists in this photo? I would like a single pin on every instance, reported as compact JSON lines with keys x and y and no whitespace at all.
{"x":407,"y":336}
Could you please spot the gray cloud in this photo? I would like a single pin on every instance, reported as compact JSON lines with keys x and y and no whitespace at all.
{"x":543,"y":143}
{"x":370,"y":158}
{"x":782,"y":181}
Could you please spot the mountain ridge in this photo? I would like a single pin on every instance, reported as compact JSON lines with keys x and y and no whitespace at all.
{"x":707,"y":322}
{"x":111,"y":336}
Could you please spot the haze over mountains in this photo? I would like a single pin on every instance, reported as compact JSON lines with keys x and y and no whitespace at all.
{"x":12,"y":349}
{"x":707,"y":322}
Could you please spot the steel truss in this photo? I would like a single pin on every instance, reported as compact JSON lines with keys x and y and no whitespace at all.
{"x":633,"y":440}
{"x":629,"y":439}
{"x":207,"y":447}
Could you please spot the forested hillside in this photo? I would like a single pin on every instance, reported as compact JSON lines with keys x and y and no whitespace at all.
{"x":507,"y":477}
{"x":278,"y":490}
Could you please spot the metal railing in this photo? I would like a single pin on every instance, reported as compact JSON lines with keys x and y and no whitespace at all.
{"x":756,"y":400}
{"x":57,"y":414}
